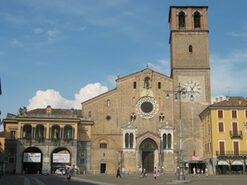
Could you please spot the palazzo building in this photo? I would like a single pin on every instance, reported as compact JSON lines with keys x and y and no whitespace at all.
{"x":224,"y":126}
{"x":134,"y":124}
{"x":46,"y":139}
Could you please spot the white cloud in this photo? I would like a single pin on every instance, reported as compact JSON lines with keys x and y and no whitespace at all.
{"x":38,"y":30}
{"x":54,"y":98}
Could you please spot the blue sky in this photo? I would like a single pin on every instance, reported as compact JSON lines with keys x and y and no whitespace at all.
{"x":61,"y":52}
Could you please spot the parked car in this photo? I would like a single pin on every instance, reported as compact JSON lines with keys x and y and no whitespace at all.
{"x":44,"y":172}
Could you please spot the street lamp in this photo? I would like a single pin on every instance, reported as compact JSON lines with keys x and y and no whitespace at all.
{"x":180,"y":92}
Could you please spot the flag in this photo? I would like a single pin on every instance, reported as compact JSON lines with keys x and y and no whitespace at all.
{"x":55,"y":134}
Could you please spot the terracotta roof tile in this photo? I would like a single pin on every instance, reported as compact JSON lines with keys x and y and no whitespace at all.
{"x":231,"y":102}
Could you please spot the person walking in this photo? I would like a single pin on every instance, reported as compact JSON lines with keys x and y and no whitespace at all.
{"x":144,"y":172}
{"x":118,"y":173}
{"x":194,"y":171}
{"x":140,"y":171}
{"x":68,"y":173}
{"x":123,"y":172}
{"x":155,"y":173}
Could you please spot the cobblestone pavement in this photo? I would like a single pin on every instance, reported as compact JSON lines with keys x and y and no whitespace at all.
{"x":163,"y":180}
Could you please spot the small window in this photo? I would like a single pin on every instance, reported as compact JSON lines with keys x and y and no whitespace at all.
{"x":108,"y":103}
{"x":89,"y":114}
{"x":190,"y":48}
{"x":181,"y":19}
{"x":134,"y":85}
{"x":103,"y":145}
{"x":159,"y":85}
{"x":220,"y":114}
{"x":246,"y":114}
{"x":197,"y":20}
{"x":234,"y":114}
{"x":221,"y":127}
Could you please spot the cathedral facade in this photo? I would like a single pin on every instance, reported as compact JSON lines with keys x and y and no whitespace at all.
{"x":132,"y":126}
{"x":135,"y":126}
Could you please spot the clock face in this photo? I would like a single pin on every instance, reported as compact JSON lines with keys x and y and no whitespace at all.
{"x":193,"y":88}
{"x":147,"y":107}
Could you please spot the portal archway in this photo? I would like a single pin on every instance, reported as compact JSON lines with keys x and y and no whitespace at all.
{"x":32,"y":160}
{"x":60,"y":158}
{"x":147,"y":154}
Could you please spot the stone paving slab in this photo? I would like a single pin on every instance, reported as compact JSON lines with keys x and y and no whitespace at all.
{"x":163,"y":180}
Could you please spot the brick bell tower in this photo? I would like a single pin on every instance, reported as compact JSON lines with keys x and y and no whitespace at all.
{"x":190,"y":67}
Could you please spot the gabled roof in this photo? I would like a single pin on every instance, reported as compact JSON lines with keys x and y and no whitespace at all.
{"x":139,"y":72}
{"x":124,"y":78}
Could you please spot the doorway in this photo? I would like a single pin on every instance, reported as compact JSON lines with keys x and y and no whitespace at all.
{"x":147,"y":149}
{"x":102,"y":167}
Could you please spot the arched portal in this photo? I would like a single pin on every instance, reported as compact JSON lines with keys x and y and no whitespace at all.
{"x":147,"y":151}
{"x":60,"y":158}
{"x":32,"y":160}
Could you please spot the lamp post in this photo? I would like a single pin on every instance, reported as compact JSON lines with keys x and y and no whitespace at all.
{"x":180,"y":92}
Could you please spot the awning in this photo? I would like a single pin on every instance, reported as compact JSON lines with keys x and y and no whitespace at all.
{"x":222,"y":162}
{"x":237,"y":162}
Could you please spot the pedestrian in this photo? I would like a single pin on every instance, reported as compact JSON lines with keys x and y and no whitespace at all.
{"x":144,"y":172}
{"x":155,"y":173}
{"x":158,"y":173}
{"x":194,"y":171}
{"x":118,"y":173}
{"x":206,"y":172}
{"x":68,"y":173}
{"x":140,"y":171}
{"x":123,"y":172}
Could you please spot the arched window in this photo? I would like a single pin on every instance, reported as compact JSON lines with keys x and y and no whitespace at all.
{"x":134,"y":85}
{"x":169,"y":141}
{"x":40,"y":130}
{"x":55,"y":132}
{"x":108,"y":103}
{"x":190,"y":48}
{"x":181,"y":19}
{"x":126,"y":140}
{"x":27,"y":131}
{"x":67,"y":132}
{"x":147,"y":83}
{"x":131,"y":140}
{"x":164,"y":141}
{"x":197,"y":20}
